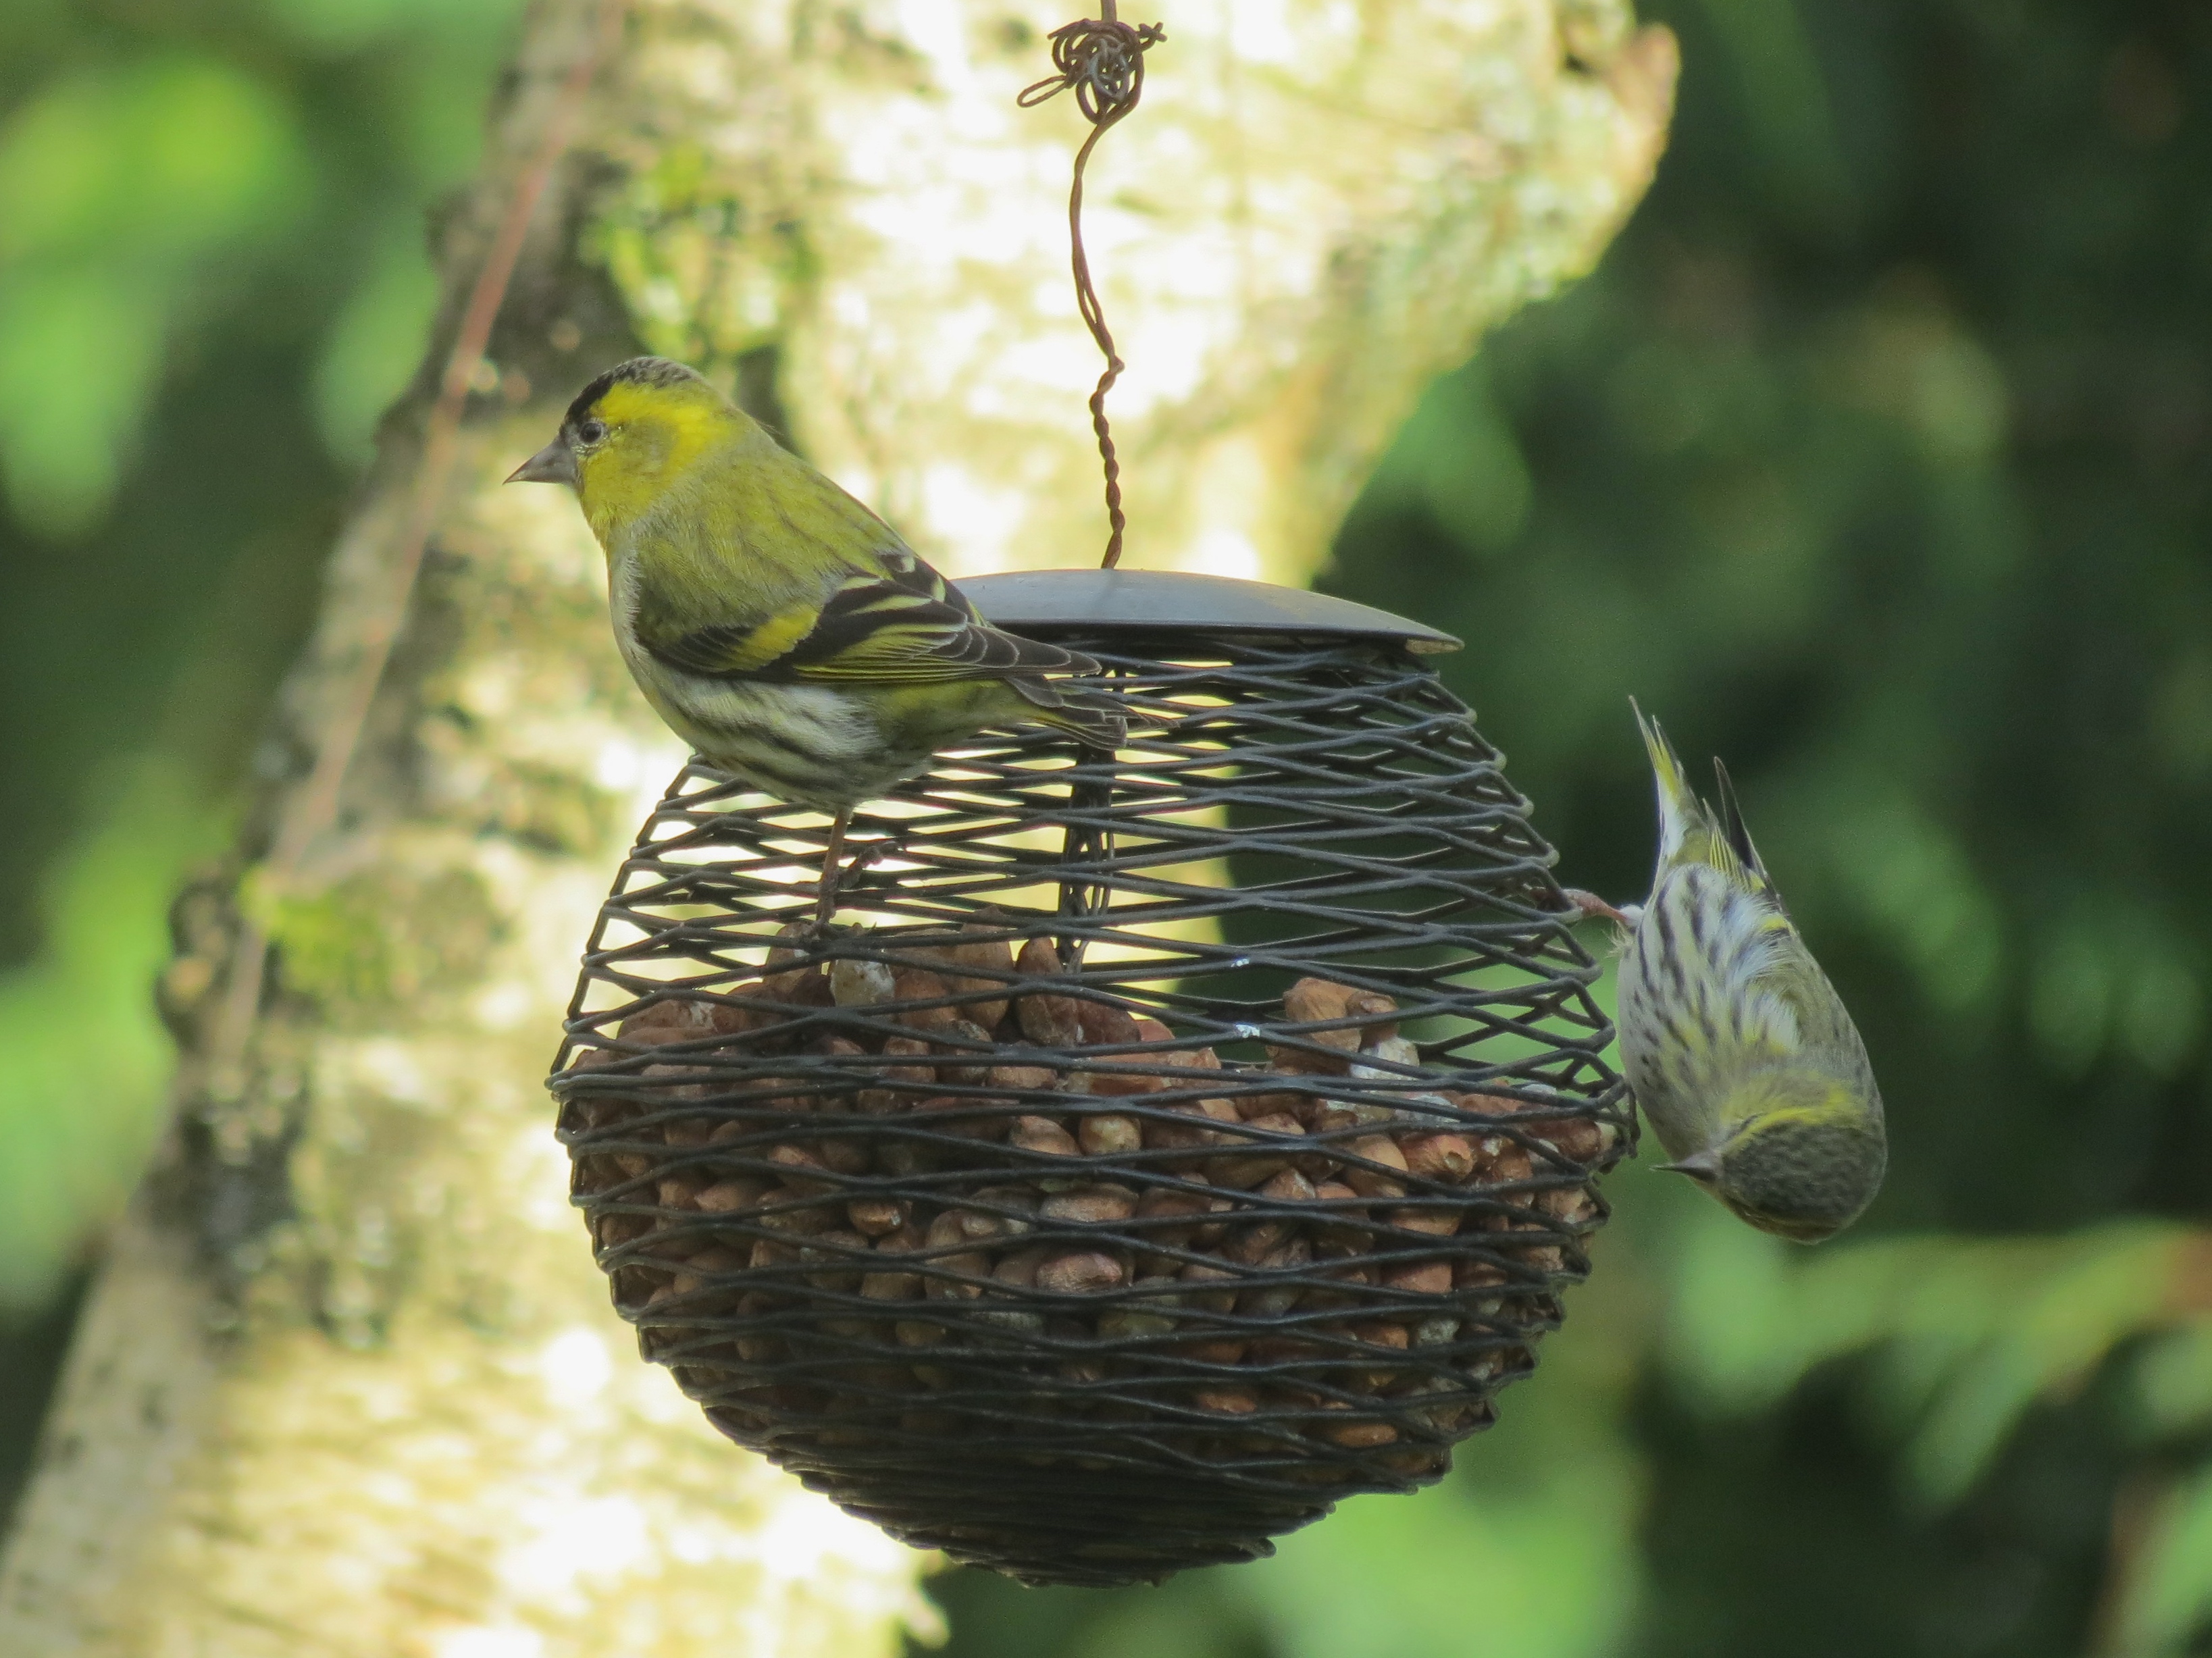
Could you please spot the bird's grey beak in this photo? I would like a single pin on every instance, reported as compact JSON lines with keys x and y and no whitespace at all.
{"x":555,"y":464}
{"x":1704,"y":1167}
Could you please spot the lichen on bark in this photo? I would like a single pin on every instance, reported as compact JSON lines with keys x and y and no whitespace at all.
{"x":350,"y":1383}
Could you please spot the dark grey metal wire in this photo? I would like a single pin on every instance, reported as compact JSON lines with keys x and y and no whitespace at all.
{"x":1136,"y":1425}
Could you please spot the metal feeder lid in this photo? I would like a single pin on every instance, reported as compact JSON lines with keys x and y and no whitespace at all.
{"x":1022,"y":601}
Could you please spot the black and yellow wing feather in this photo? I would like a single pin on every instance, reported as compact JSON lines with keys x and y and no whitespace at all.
{"x":902,"y":625}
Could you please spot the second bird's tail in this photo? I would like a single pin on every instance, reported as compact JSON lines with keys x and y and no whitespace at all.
{"x":1689,"y":829}
{"x":1678,"y":803}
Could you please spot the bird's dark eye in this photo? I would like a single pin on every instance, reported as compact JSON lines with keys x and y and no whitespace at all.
{"x":590,"y":432}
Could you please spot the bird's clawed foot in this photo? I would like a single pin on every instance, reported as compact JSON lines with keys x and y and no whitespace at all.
{"x":1588,"y":904}
{"x":854,"y":867}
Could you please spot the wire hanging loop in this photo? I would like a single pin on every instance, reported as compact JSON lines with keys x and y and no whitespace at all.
{"x":1103,"y":60}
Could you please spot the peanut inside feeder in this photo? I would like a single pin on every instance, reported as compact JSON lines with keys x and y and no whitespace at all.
{"x":1163,"y":1146}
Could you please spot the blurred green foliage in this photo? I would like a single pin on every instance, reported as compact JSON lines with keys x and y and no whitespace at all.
{"x":82,"y":1093}
{"x":1874,"y":459}
{"x":213,"y":278}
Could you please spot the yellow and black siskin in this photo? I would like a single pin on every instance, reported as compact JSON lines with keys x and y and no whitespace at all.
{"x":775,"y":623}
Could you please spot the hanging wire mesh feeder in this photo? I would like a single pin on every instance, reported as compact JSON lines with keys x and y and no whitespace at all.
{"x":1162,"y":1145}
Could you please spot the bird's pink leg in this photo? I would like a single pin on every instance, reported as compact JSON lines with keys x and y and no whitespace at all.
{"x":834,"y":878}
{"x":1588,"y":904}
{"x":825,"y":899}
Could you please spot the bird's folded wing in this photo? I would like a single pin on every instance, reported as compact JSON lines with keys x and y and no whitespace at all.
{"x":902,"y":625}
{"x":1823,"y":1024}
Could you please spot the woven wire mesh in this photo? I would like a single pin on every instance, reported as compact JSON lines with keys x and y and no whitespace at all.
{"x":1161,"y":1147}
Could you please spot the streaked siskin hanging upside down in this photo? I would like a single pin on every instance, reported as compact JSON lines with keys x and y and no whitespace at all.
{"x":1737,"y":1046}
{"x":776,"y":624}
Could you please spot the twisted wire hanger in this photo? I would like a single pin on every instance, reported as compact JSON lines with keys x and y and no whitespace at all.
{"x":1103,"y":60}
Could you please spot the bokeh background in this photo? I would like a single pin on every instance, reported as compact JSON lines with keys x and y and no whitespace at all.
{"x":1876,"y":458}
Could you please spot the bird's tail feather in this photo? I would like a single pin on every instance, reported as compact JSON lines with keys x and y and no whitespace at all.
{"x":1096,"y":725}
{"x":1731,"y":824}
{"x":1089,"y":712}
{"x":1689,"y":829}
{"x":1678,"y":803}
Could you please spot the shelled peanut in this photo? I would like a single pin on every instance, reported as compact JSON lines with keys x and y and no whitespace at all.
{"x":941,"y":1165}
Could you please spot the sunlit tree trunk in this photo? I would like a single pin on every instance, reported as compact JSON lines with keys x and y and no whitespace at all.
{"x":348,"y":1383}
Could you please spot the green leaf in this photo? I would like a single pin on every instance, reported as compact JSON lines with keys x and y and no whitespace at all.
{"x":1731,"y":1342}
{"x":80,"y":1096}
{"x":2169,"y":1597}
{"x":79,"y":357}
{"x":337,"y":27}
{"x":378,"y":339}
{"x":1531,"y":1540}
{"x":2173,"y":1382}
{"x":2047,"y":1337}
{"x":122,"y":191}
{"x":161,"y":161}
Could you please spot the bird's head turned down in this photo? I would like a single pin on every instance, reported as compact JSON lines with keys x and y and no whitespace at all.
{"x":1803,"y":1160}
{"x":633,"y":430}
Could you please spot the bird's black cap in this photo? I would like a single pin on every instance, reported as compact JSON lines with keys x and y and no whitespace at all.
{"x":645,"y":371}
